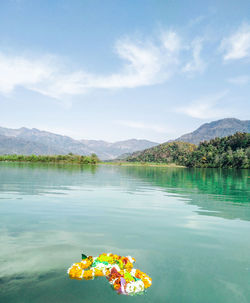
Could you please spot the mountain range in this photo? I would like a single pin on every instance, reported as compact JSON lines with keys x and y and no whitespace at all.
{"x":34,"y":141}
{"x":178,"y":149}
{"x":219,"y":128}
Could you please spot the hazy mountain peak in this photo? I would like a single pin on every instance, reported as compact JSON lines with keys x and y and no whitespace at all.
{"x":35,"y":141}
{"x":218,"y":128}
{"x":206,"y":131}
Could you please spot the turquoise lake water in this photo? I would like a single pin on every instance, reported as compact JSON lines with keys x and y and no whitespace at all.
{"x":189,"y":229}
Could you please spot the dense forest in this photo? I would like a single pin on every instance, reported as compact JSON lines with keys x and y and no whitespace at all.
{"x":231,"y":151}
{"x":70,"y":158}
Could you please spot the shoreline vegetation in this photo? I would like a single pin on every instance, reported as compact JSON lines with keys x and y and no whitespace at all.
{"x":144,"y":164}
{"x":61,"y":159}
{"x":64,"y":159}
{"x":227,"y":152}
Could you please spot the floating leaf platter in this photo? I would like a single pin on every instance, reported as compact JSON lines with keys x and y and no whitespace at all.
{"x":118,"y":270}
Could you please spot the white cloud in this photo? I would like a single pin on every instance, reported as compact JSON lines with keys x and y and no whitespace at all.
{"x":19,"y":71}
{"x":142,"y":125}
{"x":205,"y":107}
{"x":142,"y":64}
{"x":171,"y":41}
{"x":143,"y":67}
{"x":237,"y":46}
{"x":240,"y":80}
{"x":196,"y":64}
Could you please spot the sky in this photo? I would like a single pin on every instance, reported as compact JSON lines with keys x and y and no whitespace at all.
{"x":114,"y":70}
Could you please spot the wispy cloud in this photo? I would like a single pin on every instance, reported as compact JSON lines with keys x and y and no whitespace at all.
{"x":171,"y":41}
{"x":240,"y":80}
{"x":142,"y":64}
{"x":141,"y":125}
{"x":145,"y":64}
{"x":237,"y":46}
{"x":19,"y":71}
{"x":205,"y":107}
{"x":196,"y":64}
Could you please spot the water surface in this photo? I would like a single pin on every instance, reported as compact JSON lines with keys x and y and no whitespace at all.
{"x":189,"y":229}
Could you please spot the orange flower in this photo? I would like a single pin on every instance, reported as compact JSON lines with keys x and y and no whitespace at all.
{"x":115,"y":268}
{"x":75,"y":272}
{"x":117,"y":286}
{"x":88,"y":274}
{"x":98,"y":273}
{"x":107,"y":273}
{"x":138,"y":274}
{"x":128,"y":266}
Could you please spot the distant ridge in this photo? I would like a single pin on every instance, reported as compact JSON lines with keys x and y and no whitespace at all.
{"x":219,"y":128}
{"x":12,"y":145}
{"x":116,"y":149}
{"x":171,"y":150}
{"x":34,"y":141}
{"x":226,"y":152}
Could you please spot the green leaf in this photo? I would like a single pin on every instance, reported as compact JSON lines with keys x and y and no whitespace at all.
{"x":84,"y":256}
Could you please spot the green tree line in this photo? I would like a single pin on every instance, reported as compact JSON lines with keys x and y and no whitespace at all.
{"x":229,"y":152}
{"x":70,"y":158}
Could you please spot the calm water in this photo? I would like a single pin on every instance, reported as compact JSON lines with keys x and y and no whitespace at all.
{"x":189,"y":229}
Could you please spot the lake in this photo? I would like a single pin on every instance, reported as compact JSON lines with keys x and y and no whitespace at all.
{"x":189,"y":229}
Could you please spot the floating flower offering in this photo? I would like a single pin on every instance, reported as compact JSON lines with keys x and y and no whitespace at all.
{"x":118,"y":270}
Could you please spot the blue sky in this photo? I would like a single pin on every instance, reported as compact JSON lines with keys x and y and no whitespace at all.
{"x":115,"y":70}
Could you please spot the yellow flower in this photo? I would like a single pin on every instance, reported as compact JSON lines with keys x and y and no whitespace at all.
{"x":98,"y":273}
{"x":128,"y":266}
{"x":75,"y":272}
{"x":114,"y":267}
{"x":88,"y":274}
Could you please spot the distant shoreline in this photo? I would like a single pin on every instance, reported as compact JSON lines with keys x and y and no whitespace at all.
{"x":124,"y":164}
{"x":101,"y":163}
{"x":51,"y":159}
{"x":144,"y":164}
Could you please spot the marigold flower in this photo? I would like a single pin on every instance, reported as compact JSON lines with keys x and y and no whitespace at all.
{"x":118,"y":270}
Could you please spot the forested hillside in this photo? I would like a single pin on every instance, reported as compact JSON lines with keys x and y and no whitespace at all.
{"x":231,"y":151}
{"x":174,"y":152}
